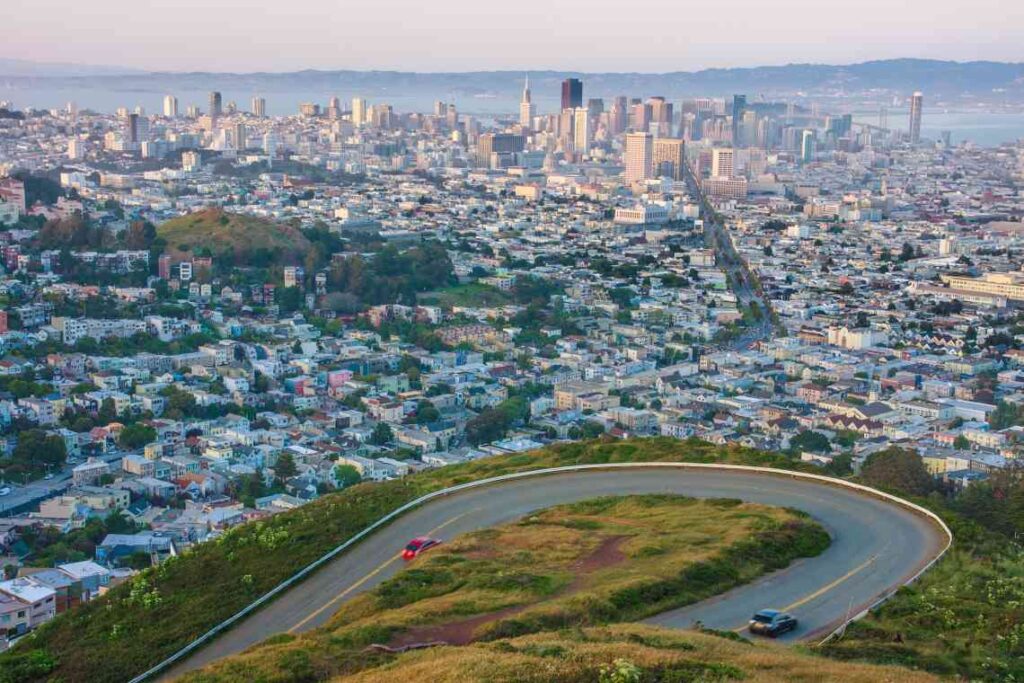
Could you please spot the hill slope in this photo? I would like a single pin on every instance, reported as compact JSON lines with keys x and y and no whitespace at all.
{"x":238,"y":238}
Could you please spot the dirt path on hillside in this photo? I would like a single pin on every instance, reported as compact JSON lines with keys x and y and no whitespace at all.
{"x":462,"y":632}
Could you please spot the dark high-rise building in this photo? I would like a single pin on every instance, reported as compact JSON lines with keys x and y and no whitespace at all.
{"x":739,"y":105}
{"x":498,"y":143}
{"x":215,"y":103}
{"x":572,"y":93}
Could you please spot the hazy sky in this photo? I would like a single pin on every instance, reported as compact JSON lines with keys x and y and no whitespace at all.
{"x":466,"y":35}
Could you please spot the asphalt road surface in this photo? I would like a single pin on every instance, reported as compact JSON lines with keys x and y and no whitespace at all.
{"x":876,"y":546}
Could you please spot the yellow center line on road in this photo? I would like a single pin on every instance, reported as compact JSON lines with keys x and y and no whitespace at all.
{"x":377,"y":570}
{"x":824,"y":589}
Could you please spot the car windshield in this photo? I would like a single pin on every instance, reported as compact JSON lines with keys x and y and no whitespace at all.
{"x":413,"y":546}
{"x":762,"y":618}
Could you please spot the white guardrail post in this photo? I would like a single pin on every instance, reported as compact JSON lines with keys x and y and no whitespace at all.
{"x":316,"y":564}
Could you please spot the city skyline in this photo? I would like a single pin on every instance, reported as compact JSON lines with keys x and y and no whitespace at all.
{"x":651,"y":37}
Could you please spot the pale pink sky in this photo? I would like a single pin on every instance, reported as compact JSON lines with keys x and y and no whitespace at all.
{"x":468,"y":35}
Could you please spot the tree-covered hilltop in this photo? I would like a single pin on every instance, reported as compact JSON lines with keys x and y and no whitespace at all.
{"x":233,"y":239}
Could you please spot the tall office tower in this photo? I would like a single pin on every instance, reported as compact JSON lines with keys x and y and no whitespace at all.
{"x":739,"y":105}
{"x":132,"y":132}
{"x":334,"y":108}
{"x":661,"y":116}
{"x":192,"y":111}
{"x":642,"y":117}
{"x":567,"y":127}
{"x":240,"y":136}
{"x":722,"y":162}
{"x":358,"y":111}
{"x":807,"y":146}
{"x":269,"y":144}
{"x":883,"y":118}
{"x":595,"y":105}
{"x":583,"y":136}
{"x":258,"y":107}
{"x":440,"y":108}
{"x":500,"y":144}
{"x":526,"y":106}
{"x":215,"y":103}
{"x":170,"y":106}
{"x":669,"y":158}
{"x":916,"y":103}
{"x":619,"y":115}
{"x":639,"y":156}
{"x":572,"y":93}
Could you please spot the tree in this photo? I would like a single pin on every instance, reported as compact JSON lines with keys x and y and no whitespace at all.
{"x":347,"y":475}
{"x":285,"y":467}
{"x":136,"y":436}
{"x":899,"y":470}
{"x":810,"y":440}
{"x":961,"y":443}
{"x":426,"y":413}
{"x":381,"y":434}
{"x":108,"y":411}
{"x":38,"y":449}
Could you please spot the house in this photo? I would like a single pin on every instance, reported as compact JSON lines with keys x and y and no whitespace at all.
{"x":40,"y":599}
{"x":67,"y":591}
{"x":14,"y":620}
{"x":116,"y":548}
{"x":94,"y":578}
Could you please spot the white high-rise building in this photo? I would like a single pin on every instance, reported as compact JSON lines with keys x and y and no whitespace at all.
{"x":359,"y":113}
{"x":170,"y":106}
{"x":583,"y":135}
{"x":639,"y":156}
{"x":722,"y":163}
{"x":916,"y":105}
{"x":258,"y":106}
{"x":526,"y":109}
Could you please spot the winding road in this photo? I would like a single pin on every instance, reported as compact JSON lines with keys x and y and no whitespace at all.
{"x":876,"y":546}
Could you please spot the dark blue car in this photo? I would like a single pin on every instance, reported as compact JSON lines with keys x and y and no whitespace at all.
{"x":771,"y":622}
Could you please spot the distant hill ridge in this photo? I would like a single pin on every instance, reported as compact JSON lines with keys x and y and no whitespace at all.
{"x":898,"y":75}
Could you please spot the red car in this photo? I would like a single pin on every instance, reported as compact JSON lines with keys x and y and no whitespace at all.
{"x":417,"y":546}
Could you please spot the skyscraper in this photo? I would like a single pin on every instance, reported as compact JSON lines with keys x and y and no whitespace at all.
{"x":722,"y":165}
{"x":916,"y":104}
{"x":807,"y":146}
{"x":639,"y":156}
{"x":240,"y":136}
{"x":669,"y":157}
{"x":572,"y":93}
{"x":739,"y":105}
{"x":583,"y":135}
{"x":619,"y":114}
{"x":526,"y":106}
{"x":170,"y":106}
{"x":215,"y":103}
{"x":358,"y":111}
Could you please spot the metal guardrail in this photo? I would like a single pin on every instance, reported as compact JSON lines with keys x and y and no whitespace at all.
{"x":386,"y":519}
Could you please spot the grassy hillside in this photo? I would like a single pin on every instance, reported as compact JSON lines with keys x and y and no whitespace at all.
{"x":122,"y":634}
{"x":622,"y":654}
{"x":236,"y":238}
{"x":964,"y":618}
{"x":597,"y":561}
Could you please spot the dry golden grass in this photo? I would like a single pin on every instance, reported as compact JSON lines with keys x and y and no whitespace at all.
{"x":553,"y":566}
{"x":578,"y":655}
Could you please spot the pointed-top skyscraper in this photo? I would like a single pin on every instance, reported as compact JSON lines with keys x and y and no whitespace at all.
{"x":526,"y":106}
